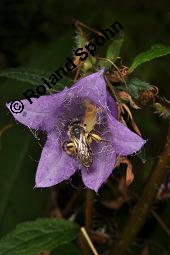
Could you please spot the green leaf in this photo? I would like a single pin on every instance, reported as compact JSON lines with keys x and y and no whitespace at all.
{"x":155,"y":52}
{"x":113,"y":51}
{"x":26,"y":75}
{"x":30,"y":238}
{"x":79,"y":41}
{"x":33,"y":77}
{"x":135,"y":86}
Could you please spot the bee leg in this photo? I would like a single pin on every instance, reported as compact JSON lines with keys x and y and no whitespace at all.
{"x":69,"y":147}
{"x":95,"y":137}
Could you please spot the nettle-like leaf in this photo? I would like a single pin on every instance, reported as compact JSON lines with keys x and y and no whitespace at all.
{"x":135,"y":86}
{"x":25,"y":75}
{"x":33,"y":77}
{"x":33,"y":237}
{"x":155,"y":52}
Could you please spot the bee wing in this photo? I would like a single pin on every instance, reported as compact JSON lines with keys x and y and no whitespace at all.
{"x":84,"y":153}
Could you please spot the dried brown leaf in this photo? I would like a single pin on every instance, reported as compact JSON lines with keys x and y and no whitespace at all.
{"x":129,"y":177}
{"x":126,"y":97}
{"x":129,"y":173}
{"x":119,"y":74}
{"x":135,"y":127}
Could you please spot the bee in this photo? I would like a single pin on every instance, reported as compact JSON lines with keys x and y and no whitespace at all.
{"x":81,"y":135}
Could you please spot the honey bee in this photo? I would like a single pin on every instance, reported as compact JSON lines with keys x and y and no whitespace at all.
{"x":81,"y":135}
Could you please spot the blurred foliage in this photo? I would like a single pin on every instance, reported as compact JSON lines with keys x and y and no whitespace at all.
{"x":43,"y":234}
{"x":38,"y":35}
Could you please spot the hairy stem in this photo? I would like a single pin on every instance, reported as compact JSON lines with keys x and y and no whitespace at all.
{"x":145,"y":201}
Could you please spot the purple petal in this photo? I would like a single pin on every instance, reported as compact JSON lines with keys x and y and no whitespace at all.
{"x":92,"y":87}
{"x":102,"y":167}
{"x":124,"y":141}
{"x":112,"y":105}
{"x":41,"y":113}
{"x":54,"y":165}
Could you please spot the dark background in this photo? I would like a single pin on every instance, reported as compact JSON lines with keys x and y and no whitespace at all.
{"x":40,"y":35}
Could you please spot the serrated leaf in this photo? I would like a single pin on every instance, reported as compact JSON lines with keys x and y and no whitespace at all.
{"x":135,"y":86}
{"x":33,"y":77}
{"x":30,"y":238}
{"x":26,"y":75}
{"x":155,"y":52}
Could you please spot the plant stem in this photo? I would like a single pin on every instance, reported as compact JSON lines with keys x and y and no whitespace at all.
{"x":145,"y":201}
{"x":88,"y":217}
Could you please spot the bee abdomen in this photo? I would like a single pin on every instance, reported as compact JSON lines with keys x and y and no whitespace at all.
{"x":85,"y":157}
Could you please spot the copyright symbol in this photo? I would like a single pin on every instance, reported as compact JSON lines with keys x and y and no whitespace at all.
{"x":17,"y":106}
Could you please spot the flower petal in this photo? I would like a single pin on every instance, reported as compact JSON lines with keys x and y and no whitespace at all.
{"x":112,"y":105}
{"x":41,"y":113}
{"x":124,"y":140}
{"x":54,"y":165}
{"x":92,"y":87}
{"x":102,"y":167}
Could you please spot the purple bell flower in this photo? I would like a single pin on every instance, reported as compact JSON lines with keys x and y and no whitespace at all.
{"x":83,"y":133}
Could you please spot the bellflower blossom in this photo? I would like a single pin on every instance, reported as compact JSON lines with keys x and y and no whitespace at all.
{"x":53,"y":113}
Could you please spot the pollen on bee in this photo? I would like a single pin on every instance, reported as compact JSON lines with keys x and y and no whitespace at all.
{"x":90,"y":116}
